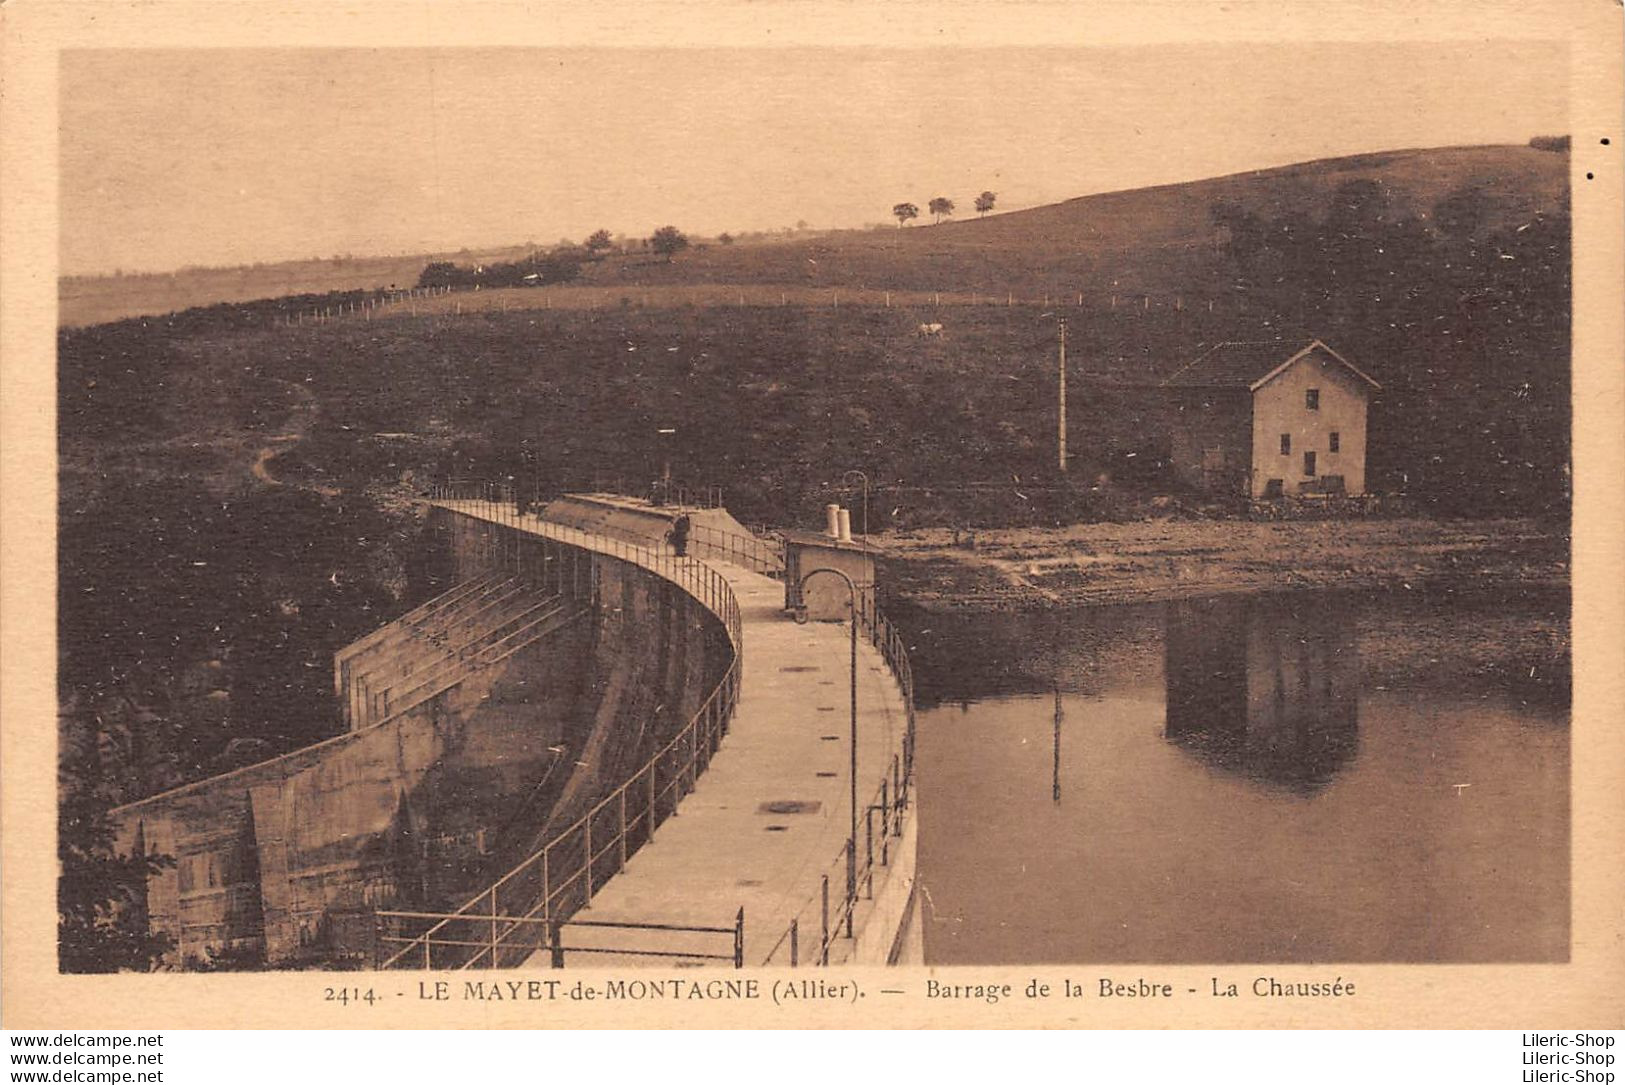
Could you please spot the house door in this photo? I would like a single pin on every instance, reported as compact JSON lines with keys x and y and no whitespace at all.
{"x":1308,"y":465}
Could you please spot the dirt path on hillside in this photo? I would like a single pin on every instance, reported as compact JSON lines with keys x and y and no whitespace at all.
{"x":302,"y":416}
{"x":1103,"y":563}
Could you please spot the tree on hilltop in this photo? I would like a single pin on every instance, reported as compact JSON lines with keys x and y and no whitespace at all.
{"x":903,"y":212}
{"x":941,"y":205}
{"x":668,"y":241}
{"x":984,"y":202}
{"x":598,"y":241}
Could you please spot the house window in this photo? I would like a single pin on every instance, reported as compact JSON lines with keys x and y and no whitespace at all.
{"x":1336,"y":442}
{"x":1286,"y":444}
{"x":1311,"y":399}
{"x":1309,"y":465}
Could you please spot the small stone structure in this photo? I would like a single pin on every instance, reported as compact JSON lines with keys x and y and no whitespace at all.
{"x":826,"y":598}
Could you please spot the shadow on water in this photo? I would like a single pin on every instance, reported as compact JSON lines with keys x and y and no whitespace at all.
{"x":1263,"y":686}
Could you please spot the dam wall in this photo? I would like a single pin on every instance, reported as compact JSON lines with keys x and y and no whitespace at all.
{"x":460,"y":756}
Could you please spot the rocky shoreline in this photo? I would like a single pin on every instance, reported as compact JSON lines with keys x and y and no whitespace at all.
{"x":1090,"y":564}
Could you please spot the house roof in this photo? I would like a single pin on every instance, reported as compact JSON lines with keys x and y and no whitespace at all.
{"x":1252,"y":365}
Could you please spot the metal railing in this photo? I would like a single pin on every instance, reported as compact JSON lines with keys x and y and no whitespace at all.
{"x":855,"y":866}
{"x":490,"y":935}
{"x":660,"y":493}
{"x":764,"y":555}
{"x":496,"y":503}
{"x":683,"y":495}
{"x":553,"y":882}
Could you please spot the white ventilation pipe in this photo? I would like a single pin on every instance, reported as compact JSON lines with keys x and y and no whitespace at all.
{"x":846,"y":525}
{"x":832,"y":521}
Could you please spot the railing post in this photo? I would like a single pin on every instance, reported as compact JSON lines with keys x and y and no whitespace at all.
{"x":428,"y":959}
{"x":547,"y":885}
{"x":885,"y":813}
{"x":897,"y":797}
{"x":823,"y":942}
{"x":652,"y":774}
{"x":586,"y":825}
{"x":851,"y":882}
{"x":623,"y":828}
{"x":869,"y":845}
{"x":739,"y":939}
{"x":693,"y":760}
{"x":795,"y":942}
{"x":555,"y":943}
{"x":492,"y":963}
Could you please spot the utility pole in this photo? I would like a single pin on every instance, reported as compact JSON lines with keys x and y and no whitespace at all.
{"x":1061,"y":432}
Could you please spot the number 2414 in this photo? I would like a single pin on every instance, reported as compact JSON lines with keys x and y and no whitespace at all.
{"x":347,"y":995}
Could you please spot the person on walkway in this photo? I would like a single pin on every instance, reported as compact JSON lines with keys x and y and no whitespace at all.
{"x":678,"y":536}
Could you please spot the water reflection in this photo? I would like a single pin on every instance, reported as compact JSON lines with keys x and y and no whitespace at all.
{"x":1264,"y":686}
{"x":1326,"y":776}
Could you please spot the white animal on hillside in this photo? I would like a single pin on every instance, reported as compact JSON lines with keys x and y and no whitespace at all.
{"x":930,"y":330}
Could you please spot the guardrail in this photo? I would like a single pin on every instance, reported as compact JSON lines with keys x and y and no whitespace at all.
{"x":889,"y":803}
{"x":764,"y":555}
{"x":497,"y":930}
{"x":539,"y":894}
{"x":554,"y":881}
{"x":660,"y":493}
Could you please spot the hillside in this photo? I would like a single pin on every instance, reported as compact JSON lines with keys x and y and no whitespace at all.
{"x":1160,"y":240}
{"x":1444,"y":272}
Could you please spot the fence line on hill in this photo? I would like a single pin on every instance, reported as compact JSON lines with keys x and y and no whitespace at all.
{"x":449,"y":301}
{"x":367,"y":307}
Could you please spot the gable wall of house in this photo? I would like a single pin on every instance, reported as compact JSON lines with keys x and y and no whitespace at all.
{"x":1280,"y":407}
{"x":1211,"y":447}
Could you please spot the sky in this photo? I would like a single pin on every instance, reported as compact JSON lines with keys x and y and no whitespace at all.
{"x":217,"y":157}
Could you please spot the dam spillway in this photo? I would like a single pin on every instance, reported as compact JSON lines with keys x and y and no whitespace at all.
{"x":593,"y":644}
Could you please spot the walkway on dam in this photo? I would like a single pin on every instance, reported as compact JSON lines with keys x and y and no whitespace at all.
{"x":769,"y":817}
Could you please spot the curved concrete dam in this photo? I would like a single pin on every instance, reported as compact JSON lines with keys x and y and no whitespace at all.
{"x":520,"y":748}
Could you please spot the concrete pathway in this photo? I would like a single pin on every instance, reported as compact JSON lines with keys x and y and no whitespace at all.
{"x":730,"y":847}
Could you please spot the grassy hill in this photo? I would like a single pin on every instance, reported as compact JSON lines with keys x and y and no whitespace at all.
{"x":1159,"y":240}
{"x":1444,"y":272}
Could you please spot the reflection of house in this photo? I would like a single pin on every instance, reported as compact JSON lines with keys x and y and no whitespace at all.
{"x":1264,"y":686}
{"x":1267,"y":419}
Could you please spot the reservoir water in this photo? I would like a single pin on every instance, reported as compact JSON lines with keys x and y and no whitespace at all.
{"x":1274,"y":778}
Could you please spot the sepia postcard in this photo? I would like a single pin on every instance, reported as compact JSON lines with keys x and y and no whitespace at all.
{"x":812,"y":515}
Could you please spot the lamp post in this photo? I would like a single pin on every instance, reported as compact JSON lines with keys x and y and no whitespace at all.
{"x":865,"y":479}
{"x":852,"y":840}
{"x":665,"y":434}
